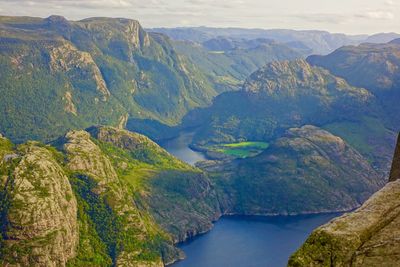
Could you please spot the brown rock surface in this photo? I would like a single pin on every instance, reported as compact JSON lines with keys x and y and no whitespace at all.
{"x":41,"y":215}
{"x":370,"y":236}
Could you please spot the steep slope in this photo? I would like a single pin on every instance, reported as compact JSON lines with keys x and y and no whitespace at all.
{"x":372,"y":66}
{"x":307,"y":170}
{"x":106,"y":197}
{"x":367,"y":237}
{"x":234,"y":60}
{"x":59,"y":75}
{"x":38,"y":208}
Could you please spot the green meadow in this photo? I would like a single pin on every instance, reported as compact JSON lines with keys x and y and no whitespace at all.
{"x":241,"y":150}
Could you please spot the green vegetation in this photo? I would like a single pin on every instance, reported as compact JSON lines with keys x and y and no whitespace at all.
{"x":286,"y":178}
{"x":230,"y":67}
{"x":52,"y":82}
{"x":240,"y":150}
{"x":368,"y":136}
{"x":279,"y":96}
{"x":370,"y":66}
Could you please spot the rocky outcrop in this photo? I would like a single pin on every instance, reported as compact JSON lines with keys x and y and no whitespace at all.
{"x":66,"y":58}
{"x":39,"y":211}
{"x":106,"y":195}
{"x":123,"y":139}
{"x":86,"y":158}
{"x":197,"y":206}
{"x":370,"y":236}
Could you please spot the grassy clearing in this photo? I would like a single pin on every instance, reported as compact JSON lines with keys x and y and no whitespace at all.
{"x":240,"y":150}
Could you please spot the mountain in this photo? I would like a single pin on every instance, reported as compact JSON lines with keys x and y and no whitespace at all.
{"x":381,"y":38}
{"x":100,"y":197}
{"x":372,"y":66}
{"x":279,"y":95}
{"x":229,"y":60}
{"x":283,"y":95}
{"x":306,"y":170}
{"x":58,"y":75}
{"x":315,"y":42}
{"x":368,"y":236}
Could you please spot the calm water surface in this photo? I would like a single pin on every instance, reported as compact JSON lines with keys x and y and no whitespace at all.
{"x":250,"y":241}
{"x":179,"y":147}
{"x":243,"y":241}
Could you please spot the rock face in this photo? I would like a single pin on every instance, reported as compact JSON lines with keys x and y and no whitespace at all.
{"x":307,"y":170}
{"x":367,"y":237}
{"x":169,"y":202}
{"x":101,"y":197}
{"x":86,"y":158}
{"x":39,"y":211}
{"x":97,"y":70}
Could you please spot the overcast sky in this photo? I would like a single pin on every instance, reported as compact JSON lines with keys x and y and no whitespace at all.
{"x":348,"y":16}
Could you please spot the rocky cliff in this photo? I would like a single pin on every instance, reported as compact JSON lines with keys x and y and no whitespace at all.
{"x":38,"y":208}
{"x":99,"y":197}
{"x":74,"y":74}
{"x":368,"y":236}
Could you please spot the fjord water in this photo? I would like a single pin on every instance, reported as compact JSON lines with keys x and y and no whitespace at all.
{"x":243,"y":241}
{"x":179,"y":147}
{"x":250,"y":241}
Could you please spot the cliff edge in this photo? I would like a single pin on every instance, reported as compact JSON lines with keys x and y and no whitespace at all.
{"x":369,"y":236}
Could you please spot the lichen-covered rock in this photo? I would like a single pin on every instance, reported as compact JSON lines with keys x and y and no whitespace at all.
{"x":123,"y":139}
{"x":133,"y":228}
{"x":66,"y":58}
{"x":85,"y":156}
{"x":366,"y":237}
{"x":39,"y":211}
{"x":183,"y":211}
{"x":370,"y":236}
{"x":109,"y":196}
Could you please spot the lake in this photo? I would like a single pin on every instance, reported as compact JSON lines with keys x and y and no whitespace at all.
{"x":243,"y":241}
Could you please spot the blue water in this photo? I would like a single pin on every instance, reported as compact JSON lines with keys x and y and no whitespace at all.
{"x":243,"y":241}
{"x":179,"y":147}
{"x":250,"y":241}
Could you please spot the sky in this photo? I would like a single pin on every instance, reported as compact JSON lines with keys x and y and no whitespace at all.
{"x":345,"y":16}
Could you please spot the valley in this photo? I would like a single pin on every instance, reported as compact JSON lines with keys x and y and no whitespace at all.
{"x":125,"y":146}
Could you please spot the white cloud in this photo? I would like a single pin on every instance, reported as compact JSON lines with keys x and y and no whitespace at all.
{"x":390,"y":3}
{"x":351,"y":16}
{"x":379,"y":15}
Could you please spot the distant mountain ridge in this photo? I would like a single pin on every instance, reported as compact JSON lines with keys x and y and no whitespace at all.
{"x":375,"y":67}
{"x":318,"y":42}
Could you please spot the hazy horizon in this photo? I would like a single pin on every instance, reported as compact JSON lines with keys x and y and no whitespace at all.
{"x":353,"y":17}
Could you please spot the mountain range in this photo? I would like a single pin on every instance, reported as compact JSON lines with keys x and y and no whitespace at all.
{"x":82,"y":183}
{"x":316,"y":42}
